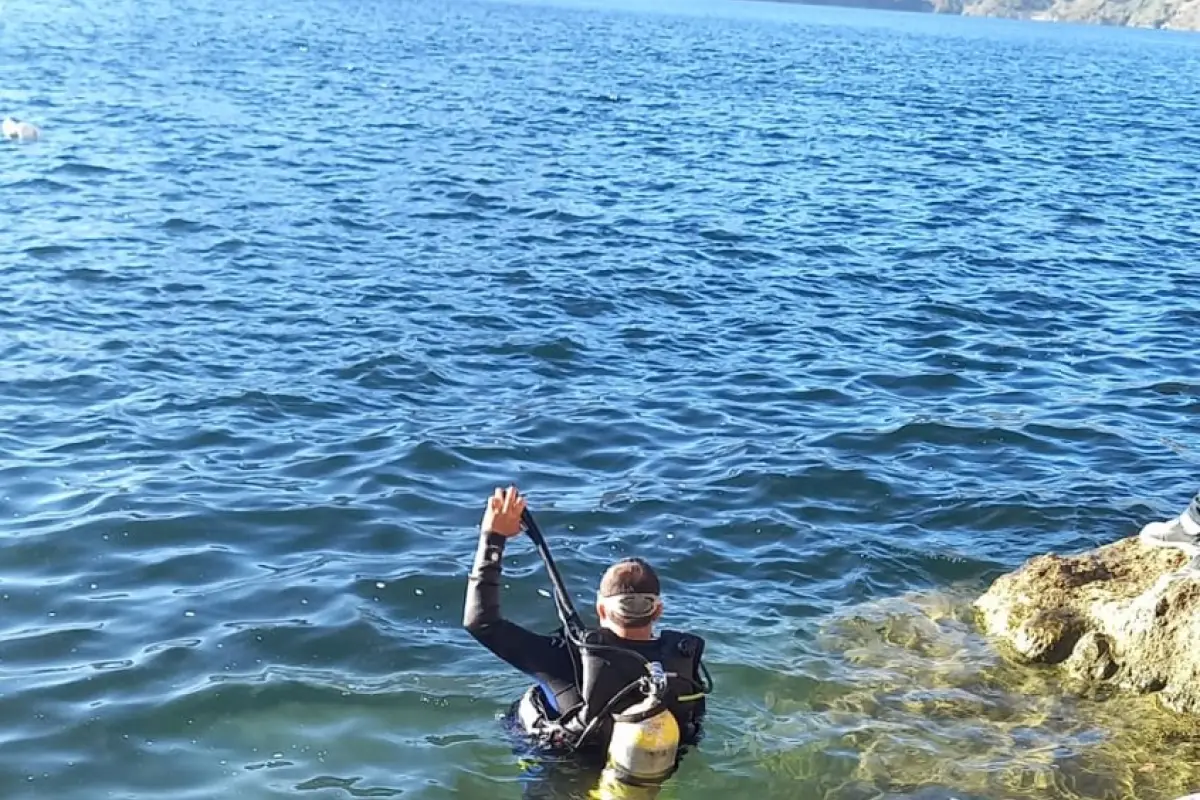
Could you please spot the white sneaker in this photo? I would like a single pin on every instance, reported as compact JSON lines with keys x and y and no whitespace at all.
{"x":1182,"y":532}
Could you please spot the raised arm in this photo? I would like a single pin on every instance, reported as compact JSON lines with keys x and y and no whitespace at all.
{"x":544,"y":658}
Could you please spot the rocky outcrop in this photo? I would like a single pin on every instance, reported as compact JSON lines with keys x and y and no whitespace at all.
{"x":882,"y":5}
{"x":906,"y":697}
{"x":1167,"y":14}
{"x":1120,"y":616}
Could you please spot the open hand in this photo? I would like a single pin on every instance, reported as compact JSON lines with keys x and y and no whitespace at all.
{"x":503,"y":512}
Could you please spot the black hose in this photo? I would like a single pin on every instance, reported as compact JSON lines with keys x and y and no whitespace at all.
{"x":571,"y":620}
{"x":598,"y":718}
{"x":707,"y":684}
{"x":566,"y":609}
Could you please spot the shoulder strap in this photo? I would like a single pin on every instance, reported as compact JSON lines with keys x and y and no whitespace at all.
{"x":683,"y":645}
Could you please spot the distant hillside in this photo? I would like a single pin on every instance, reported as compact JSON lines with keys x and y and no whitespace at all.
{"x":1172,"y":14}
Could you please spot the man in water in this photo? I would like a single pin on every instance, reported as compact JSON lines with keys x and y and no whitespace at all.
{"x":578,"y":682}
{"x":1182,"y":532}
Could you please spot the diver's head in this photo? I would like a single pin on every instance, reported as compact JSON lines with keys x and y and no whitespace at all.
{"x":628,"y":602}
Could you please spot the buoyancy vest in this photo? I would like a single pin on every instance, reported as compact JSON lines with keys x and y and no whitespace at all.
{"x":609,"y":665}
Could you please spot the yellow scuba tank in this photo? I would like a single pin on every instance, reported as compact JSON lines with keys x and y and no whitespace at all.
{"x":644,"y":744}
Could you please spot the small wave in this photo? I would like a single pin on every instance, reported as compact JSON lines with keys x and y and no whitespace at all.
{"x":181,"y":225}
{"x":478,"y":199}
{"x":276,"y":405}
{"x":84,"y":169}
{"x":89,"y":275}
{"x":745,"y":255}
{"x":557,"y":215}
{"x":180,"y":287}
{"x":1173,"y":389}
{"x":1073,"y":218}
{"x":351,"y":224}
{"x":455,"y":216}
{"x":39,"y":186}
{"x":924,"y":384}
{"x":54,"y":643}
{"x":536,"y":240}
{"x":52,"y":251}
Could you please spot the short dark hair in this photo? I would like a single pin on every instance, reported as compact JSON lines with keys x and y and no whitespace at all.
{"x":629,"y":576}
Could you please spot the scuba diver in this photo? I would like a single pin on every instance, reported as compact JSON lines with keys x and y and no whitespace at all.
{"x":616,"y":694}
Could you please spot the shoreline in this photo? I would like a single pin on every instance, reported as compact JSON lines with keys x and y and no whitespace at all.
{"x":1181,"y":16}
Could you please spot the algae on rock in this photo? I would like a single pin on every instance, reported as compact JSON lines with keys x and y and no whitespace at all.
{"x":1121,"y":614}
{"x":912,"y":700}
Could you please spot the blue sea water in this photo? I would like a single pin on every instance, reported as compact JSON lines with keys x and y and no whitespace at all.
{"x":833,"y":315}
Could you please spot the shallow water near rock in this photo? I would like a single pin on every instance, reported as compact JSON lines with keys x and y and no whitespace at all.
{"x":833,"y":315}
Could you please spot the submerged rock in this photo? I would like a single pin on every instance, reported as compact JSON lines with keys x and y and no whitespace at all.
{"x":906,"y":698}
{"x":1120,"y":615}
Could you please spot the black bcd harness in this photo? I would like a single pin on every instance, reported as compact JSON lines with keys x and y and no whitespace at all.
{"x":612,"y":669}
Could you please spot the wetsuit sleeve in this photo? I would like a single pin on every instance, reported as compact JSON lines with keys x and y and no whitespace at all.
{"x":545,"y":658}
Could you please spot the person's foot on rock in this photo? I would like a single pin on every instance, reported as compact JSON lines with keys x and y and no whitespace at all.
{"x":1182,"y":532}
{"x":1190,"y":569}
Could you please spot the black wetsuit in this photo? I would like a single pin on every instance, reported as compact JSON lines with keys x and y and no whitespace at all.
{"x":551,"y":660}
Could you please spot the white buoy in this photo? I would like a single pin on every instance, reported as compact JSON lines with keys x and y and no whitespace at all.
{"x":19,"y":131}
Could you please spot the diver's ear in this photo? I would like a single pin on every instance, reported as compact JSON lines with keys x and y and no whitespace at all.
{"x":600,"y":612}
{"x":658,"y":612}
